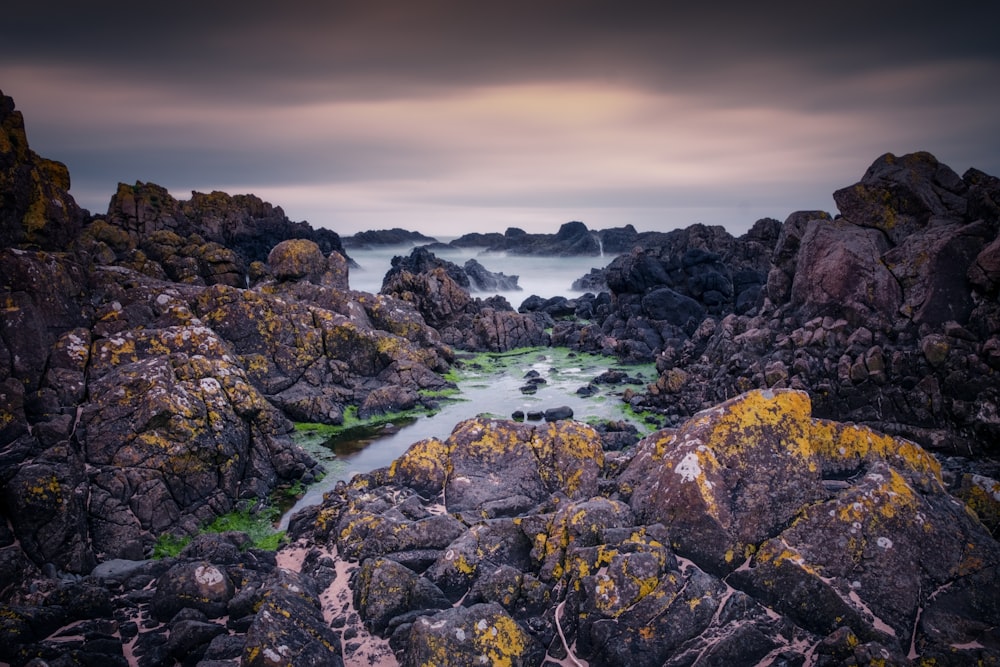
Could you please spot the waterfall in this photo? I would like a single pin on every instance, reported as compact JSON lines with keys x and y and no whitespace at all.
{"x":600,"y":243}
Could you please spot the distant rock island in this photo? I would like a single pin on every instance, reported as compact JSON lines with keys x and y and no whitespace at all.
{"x":572,"y":239}
{"x":819,"y":486}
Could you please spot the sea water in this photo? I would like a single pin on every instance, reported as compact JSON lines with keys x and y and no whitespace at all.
{"x":541,"y":276}
{"x":498,"y":393}
{"x":494,"y":392}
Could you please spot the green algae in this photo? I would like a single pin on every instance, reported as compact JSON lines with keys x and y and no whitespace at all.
{"x":257,"y":524}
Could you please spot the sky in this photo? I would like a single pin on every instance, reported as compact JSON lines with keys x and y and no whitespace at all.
{"x":456,"y":116}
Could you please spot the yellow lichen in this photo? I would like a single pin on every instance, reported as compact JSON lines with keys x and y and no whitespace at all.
{"x":501,"y":642}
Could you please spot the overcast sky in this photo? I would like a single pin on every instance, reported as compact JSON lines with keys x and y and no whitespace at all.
{"x":451,"y":116}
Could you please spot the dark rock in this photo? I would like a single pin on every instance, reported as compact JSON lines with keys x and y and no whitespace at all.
{"x":901,"y":195}
{"x":395,"y":236}
{"x":37,"y":209}
{"x":482,"y":280}
{"x":289,"y":628}
{"x":556,"y":414}
{"x":196,"y":585}
{"x":464,"y":634}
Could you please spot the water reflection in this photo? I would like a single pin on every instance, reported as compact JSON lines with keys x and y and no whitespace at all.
{"x":494,"y":389}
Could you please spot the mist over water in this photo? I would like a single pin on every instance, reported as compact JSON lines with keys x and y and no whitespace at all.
{"x":543,"y":276}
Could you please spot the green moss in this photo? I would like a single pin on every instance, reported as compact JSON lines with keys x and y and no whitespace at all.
{"x":257,"y":524}
{"x":169,"y":545}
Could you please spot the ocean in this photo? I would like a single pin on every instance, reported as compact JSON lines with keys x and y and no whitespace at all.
{"x":542,"y":276}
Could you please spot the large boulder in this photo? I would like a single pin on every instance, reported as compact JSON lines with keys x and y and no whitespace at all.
{"x":859,"y":522}
{"x":900,"y":196}
{"x":296,"y":259}
{"x":840,"y":273}
{"x":201,"y":437}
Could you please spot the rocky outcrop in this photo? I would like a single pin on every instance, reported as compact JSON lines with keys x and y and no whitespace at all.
{"x":472,"y":276}
{"x":213,"y":238}
{"x":887,"y":314}
{"x":36,"y":209}
{"x":572,"y":239}
{"x":755,"y":532}
{"x":438,"y":289}
{"x":146,"y":390}
{"x":394,"y":236}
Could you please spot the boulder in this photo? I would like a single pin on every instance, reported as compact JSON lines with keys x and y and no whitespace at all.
{"x":840,"y":273}
{"x":859,"y":521}
{"x":193,"y":585}
{"x":289,"y":628}
{"x":900,"y":196}
{"x":296,"y":259}
{"x":471,"y":635}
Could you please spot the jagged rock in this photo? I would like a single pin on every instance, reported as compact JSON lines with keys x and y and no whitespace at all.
{"x":36,"y":208}
{"x":482,"y":280}
{"x":435,"y":294}
{"x":289,"y":627}
{"x":445,"y":305}
{"x":201,"y":437}
{"x":45,"y":296}
{"x":902,"y":195}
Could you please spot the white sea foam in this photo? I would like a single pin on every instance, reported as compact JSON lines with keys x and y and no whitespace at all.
{"x":543,"y":276}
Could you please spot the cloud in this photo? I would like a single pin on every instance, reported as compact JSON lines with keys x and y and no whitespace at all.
{"x":372,"y":114}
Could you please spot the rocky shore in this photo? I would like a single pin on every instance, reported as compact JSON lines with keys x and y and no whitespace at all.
{"x":821,"y":487}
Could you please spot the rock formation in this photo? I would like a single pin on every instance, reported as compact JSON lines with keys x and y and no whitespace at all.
{"x":573,"y":238}
{"x":152,"y":359}
{"x":144,"y":388}
{"x":395,"y":236}
{"x":887,"y":314}
{"x":439,"y":290}
{"x":755,"y":532}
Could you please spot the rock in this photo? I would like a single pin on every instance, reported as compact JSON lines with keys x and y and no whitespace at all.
{"x":564,"y":456}
{"x":482,"y":280}
{"x":677,"y":309}
{"x":573,"y":238}
{"x":840,"y":273}
{"x":901,"y":195}
{"x":866,"y":554}
{"x":395,"y":236}
{"x":385,"y":589}
{"x":196,"y":585}
{"x":289,"y":628}
{"x":984,"y":272}
{"x":931,"y":268}
{"x":38,"y":209}
{"x":556,"y":414}
{"x":296,"y":259}
{"x":465,"y":635}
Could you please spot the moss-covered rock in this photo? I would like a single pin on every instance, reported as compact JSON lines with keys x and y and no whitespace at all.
{"x":37,"y":209}
{"x":296,"y":259}
{"x":480,"y":634}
